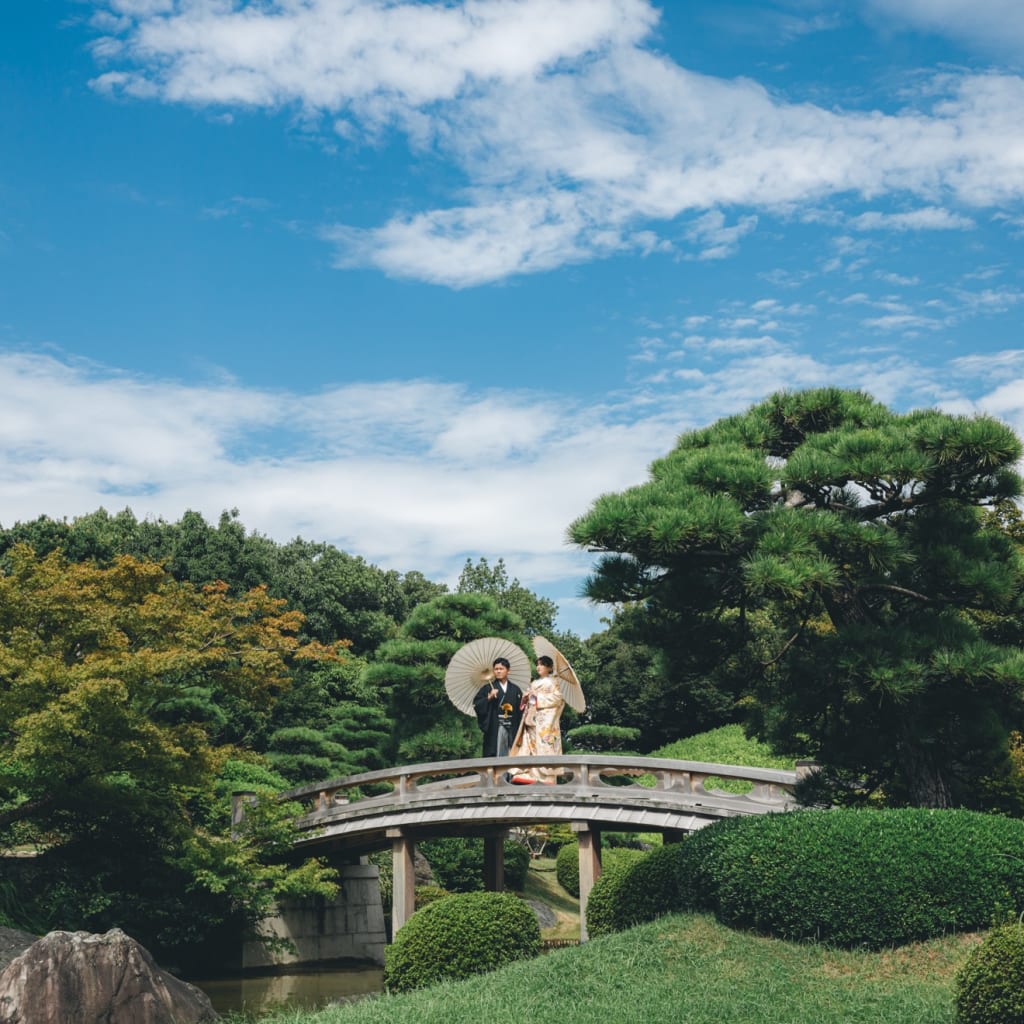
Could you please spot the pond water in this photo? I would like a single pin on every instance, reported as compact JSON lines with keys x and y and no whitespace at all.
{"x":300,"y":988}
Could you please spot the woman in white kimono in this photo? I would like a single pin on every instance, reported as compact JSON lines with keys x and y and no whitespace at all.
{"x":540,"y":733}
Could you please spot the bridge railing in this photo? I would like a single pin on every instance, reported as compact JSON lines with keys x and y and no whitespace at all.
{"x":409,"y":784}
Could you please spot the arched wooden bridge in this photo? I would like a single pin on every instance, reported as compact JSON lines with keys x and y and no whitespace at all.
{"x":475,"y":798}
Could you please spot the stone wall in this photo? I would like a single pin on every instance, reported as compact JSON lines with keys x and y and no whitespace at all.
{"x":351,"y":927}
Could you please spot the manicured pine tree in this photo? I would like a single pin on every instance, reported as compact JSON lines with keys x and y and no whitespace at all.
{"x":837,"y":553}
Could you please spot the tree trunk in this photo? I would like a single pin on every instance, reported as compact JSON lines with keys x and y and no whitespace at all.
{"x":924,"y":778}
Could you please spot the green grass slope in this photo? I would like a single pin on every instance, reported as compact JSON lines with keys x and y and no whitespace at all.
{"x":686,"y":968}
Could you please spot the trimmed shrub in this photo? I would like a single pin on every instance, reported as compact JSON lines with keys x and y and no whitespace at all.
{"x":990,"y":984}
{"x":567,"y":864}
{"x":602,"y":739}
{"x":427,"y":894}
{"x":457,"y":937}
{"x":634,"y":888}
{"x":567,"y":868}
{"x":854,"y":878}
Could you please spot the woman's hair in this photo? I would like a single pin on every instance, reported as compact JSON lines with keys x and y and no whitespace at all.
{"x":545,"y":660}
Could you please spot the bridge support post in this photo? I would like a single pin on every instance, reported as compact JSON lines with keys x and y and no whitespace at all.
{"x":403,"y":893}
{"x":494,"y":863}
{"x":590,"y":867}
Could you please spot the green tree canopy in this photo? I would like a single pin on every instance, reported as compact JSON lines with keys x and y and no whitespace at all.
{"x":115,"y":686}
{"x":538,"y":613}
{"x":836,"y":551}
{"x":409,"y":673}
{"x":340,"y":595}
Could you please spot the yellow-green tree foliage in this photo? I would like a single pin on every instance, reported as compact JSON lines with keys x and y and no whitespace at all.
{"x":123,"y":693}
{"x":91,"y":657}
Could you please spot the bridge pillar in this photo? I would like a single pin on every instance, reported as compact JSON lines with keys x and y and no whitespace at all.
{"x":403,"y":893}
{"x":494,"y":863}
{"x":590,"y":867}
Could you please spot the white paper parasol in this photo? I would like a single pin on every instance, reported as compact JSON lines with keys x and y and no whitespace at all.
{"x":563,"y":671}
{"x":471,"y":667}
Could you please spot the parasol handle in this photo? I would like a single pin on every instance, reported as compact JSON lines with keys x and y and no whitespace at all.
{"x":513,"y":751}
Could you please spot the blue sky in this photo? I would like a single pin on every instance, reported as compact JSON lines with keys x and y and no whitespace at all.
{"x":422,"y":280}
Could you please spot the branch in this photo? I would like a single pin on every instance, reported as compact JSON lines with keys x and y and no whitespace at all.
{"x":898,"y":590}
{"x":789,"y":643}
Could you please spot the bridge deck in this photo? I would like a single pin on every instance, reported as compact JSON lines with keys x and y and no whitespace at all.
{"x":400,"y":806}
{"x":474,"y":796}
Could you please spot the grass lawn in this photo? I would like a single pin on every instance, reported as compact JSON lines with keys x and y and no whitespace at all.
{"x":541,"y":884}
{"x":686,"y":969}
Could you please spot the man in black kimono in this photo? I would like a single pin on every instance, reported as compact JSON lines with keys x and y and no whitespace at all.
{"x":497,"y":710}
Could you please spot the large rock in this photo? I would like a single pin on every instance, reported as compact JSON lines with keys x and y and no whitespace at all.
{"x":78,"y":977}
{"x":13,"y":943}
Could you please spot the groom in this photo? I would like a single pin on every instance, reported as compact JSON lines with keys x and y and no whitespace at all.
{"x":497,"y":710}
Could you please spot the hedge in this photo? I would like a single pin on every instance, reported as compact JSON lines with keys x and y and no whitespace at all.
{"x":864,"y":877}
{"x":849,"y":878}
{"x":631,"y":891}
{"x":459,"y":936}
{"x":567,"y":864}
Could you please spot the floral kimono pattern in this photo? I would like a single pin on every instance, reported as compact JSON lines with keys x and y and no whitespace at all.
{"x":542,"y":736}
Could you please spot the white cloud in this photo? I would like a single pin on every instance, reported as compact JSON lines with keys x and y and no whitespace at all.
{"x":928,"y":218}
{"x":576,"y":140}
{"x":411,"y":474}
{"x":995,"y":25}
{"x":907,"y":322}
{"x":714,"y":238}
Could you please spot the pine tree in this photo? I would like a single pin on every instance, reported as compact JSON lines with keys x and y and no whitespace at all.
{"x":837,"y":554}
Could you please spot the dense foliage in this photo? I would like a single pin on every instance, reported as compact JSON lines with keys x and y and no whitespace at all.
{"x":460,"y":936}
{"x":857,"y":877}
{"x":601,"y":739}
{"x":727,"y":744}
{"x":458,"y":863}
{"x":123,"y":697}
{"x":634,"y":890}
{"x":990,"y":984}
{"x":567,"y":868}
{"x":820,"y":561}
{"x":567,"y":863}
{"x":408,"y":674}
{"x":537,"y":613}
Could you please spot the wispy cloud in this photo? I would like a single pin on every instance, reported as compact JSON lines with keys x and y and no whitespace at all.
{"x":928,"y":218}
{"x":575,"y":138}
{"x":413,"y":474}
{"x":995,"y":25}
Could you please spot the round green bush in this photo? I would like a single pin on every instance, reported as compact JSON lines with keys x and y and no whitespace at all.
{"x":567,"y":868}
{"x":636,"y":886}
{"x":567,"y":864}
{"x":856,"y":878}
{"x":429,"y":894}
{"x":990,"y":984}
{"x":457,"y":937}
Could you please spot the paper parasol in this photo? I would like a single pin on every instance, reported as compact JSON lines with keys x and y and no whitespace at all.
{"x":563,"y":671}
{"x":471,"y":667}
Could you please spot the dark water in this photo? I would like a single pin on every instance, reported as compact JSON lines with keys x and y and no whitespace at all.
{"x":306,"y":988}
